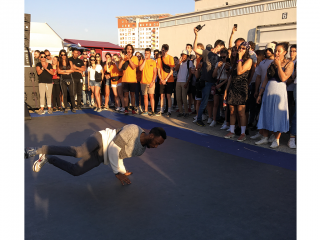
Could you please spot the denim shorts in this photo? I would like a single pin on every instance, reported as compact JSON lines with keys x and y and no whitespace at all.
{"x":94,"y":83}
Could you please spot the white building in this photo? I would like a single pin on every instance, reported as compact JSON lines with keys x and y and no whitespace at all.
{"x":260,"y":21}
{"x":142,"y":31}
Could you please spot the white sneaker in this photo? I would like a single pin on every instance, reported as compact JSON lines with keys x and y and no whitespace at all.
{"x":122,"y":110}
{"x":209,"y":120}
{"x":271,"y":138}
{"x":274,"y":144}
{"x":204,"y":117}
{"x":213,"y":123}
{"x":224,"y":127}
{"x":258,"y":135}
{"x":263,"y":140}
{"x":291,"y":143}
{"x":228,"y":130}
{"x":118,"y":109}
{"x":194,"y":120}
{"x":39,"y":163}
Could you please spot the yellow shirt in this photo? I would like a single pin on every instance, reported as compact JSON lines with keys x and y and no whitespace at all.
{"x":130,"y":75}
{"x":168,"y":60}
{"x":114,"y":72}
{"x":147,"y":72}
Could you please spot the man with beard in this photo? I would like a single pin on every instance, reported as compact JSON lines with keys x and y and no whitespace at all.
{"x":109,"y":146}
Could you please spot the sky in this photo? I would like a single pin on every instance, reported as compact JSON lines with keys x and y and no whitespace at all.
{"x":96,"y":20}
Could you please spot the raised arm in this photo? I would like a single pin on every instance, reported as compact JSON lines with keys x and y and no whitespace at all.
{"x":230,"y":39}
{"x":195,"y":48}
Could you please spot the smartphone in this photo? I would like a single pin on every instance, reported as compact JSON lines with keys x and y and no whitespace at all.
{"x":236,"y":26}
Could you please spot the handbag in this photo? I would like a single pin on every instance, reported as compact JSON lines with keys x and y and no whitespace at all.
{"x":97,"y":76}
{"x":271,"y":71}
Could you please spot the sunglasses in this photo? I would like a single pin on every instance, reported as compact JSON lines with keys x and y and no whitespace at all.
{"x":223,"y":56}
{"x":85,"y":61}
{"x":92,"y":59}
{"x":62,"y":55}
{"x":97,"y":56}
{"x":47,"y":55}
{"x":84,"y":54}
{"x":42,"y":57}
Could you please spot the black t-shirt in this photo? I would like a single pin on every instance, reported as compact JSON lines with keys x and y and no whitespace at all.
{"x":78,"y":63}
{"x":45,"y":77}
{"x":209,"y":62}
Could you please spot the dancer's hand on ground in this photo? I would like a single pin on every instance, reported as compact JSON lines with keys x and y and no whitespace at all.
{"x":123,"y":179}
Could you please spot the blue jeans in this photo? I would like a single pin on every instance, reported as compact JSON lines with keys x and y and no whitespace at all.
{"x":86,"y":95}
{"x":204,"y":101}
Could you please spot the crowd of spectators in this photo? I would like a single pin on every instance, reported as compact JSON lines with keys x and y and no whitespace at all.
{"x":238,"y":87}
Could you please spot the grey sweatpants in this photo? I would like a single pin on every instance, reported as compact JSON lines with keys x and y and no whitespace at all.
{"x":90,"y":152}
{"x":45,"y":90}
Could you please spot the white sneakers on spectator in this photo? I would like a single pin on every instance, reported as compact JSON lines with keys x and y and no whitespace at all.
{"x":228,"y":130}
{"x":204,"y":117}
{"x":213,"y":123}
{"x":224,"y":127}
{"x":258,"y":135}
{"x":263,"y":140}
{"x":271,"y":138}
{"x":209,"y":120}
{"x":291,"y":143}
{"x":275,"y":143}
{"x":195,"y":119}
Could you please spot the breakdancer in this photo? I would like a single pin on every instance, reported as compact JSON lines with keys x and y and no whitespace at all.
{"x":109,"y":146}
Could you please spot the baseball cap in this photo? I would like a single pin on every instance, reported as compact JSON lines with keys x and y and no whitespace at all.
{"x":209,"y":47}
{"x":184,"y":52}
{"x":271,"y":45}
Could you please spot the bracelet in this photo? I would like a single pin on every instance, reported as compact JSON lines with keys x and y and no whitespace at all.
{"x":240,"y":60}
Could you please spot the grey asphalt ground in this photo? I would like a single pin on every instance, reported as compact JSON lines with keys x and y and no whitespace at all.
{"x":179,"y":191}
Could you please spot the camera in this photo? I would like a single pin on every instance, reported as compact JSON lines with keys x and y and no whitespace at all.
{"x":199,"y":27}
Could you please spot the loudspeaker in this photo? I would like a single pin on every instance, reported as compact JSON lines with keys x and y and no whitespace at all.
{"x":30,"y":77}
{"x":32,"y":97}
{"x":26,"y":112}
{"x":27,"y":19}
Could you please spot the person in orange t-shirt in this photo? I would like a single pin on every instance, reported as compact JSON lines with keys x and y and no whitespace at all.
{"x":128,"y":64}
{"x":112,"y":67}
{"x":149,"y":74}
{"x":165,"y":67}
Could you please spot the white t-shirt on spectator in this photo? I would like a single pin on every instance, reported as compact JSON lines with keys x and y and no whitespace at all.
{"x":183,"y":71}
{"x":253,"y":80}
{"x":291,"y":86}
{"x":92,"y":71}
{"x":253,"y":56}
{"x":223,"y":74}
{"x":262,"y":69}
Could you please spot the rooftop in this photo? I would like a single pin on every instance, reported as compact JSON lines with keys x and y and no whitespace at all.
{"x":93,"y":44}
{"x":146,"y":16}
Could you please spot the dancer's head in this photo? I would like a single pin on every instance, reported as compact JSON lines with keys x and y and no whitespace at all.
{"x":156,"y":137}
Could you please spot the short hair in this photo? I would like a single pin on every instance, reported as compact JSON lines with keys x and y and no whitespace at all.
{"x":42,"y":53}
{"x":252,"y":45}
{"x":125,"y":48}
{"x":165,"y":46}
{"x":188,"y":44}
{"x":46,"y":50}
{"x":156,"y":50}
{"x":200,"y":45}
{"x":158,"y":132}
{"x":239,"y":39}
{"x":147,"y":50}
{"x":37,"y":51}
{"x":92,"y":49}
{"x":176,"y":58}
{"x":219,"y":43}
{"x":224,"y":51}
{"x":293,"y":46}
{"x":108,"y":54}
{"x":75,"y":49}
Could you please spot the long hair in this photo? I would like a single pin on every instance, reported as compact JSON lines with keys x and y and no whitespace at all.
{"x":68,"y":66}
{"x":95,"y":61}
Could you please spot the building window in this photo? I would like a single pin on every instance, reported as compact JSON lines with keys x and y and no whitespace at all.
{"x":122,"y":25}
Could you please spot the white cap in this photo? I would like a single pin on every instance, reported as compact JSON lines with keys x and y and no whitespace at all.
{"x":184,"y":52}
{"x":271,"y":45}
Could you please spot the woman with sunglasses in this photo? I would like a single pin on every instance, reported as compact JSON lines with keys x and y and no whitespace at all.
{"x":85,"y":92}
{"x":93,"y":85}
{"x":237,"y":90}
{"x":64,"y":69}
{"x":56,"y":85}
{"x":45,"y":72}
{"x":107,"y":80}
{"x":112,"y":67}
